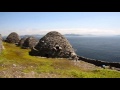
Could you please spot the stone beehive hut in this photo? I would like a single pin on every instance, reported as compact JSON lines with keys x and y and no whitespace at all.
{"x":1,"y":45}
{"x":54,"y":45}
{"x":21,"y":42}
{"x":13,"y":38}
{"x":30,"y":42}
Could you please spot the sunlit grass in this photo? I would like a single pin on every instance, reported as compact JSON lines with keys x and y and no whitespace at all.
{"x":16,"y":62}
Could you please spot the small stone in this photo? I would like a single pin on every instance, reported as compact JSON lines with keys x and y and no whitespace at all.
{"x":14,"y":65}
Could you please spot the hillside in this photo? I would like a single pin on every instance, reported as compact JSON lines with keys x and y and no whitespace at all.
{"x":17,"y":63}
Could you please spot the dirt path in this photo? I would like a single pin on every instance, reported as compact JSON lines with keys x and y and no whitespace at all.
{"x":85,"y":66}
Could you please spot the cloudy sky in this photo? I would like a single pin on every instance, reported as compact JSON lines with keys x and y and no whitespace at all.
{"x":95,"y":23}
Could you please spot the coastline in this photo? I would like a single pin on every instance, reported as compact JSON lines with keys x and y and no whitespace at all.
{"x":112,"y":65}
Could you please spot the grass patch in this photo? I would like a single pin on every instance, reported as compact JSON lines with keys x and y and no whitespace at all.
{"x":16,"y":62}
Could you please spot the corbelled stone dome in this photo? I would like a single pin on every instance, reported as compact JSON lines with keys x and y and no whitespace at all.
{"x":1,"y":44}
{"x":21,"y":42}
{"x":29,"y":42}
{"x":13,"y":38}
{"x":54,"y":45}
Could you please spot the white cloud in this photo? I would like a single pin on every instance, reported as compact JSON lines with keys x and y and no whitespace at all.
{"x":82,"y":31}
{"x":74,"y":31}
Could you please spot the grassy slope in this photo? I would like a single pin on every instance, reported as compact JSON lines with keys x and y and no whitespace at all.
{"x":17,"y":63}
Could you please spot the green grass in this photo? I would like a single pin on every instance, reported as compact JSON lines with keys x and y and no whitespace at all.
{"x":17,"y":63}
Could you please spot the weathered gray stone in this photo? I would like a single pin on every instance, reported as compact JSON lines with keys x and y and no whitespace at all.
{"x":54,"y":45}
{"x":21,"y":42}
{"x":1,"y":44}
{"x":13,"y":38}
{"x":29,"y":42}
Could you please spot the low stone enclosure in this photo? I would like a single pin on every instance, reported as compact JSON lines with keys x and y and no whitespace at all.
{"x":99,"y":62}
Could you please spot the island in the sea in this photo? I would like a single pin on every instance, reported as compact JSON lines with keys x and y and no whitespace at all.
{"x":72,"y":35}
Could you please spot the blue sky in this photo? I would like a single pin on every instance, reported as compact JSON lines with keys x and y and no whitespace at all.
{"x":96,"y":23}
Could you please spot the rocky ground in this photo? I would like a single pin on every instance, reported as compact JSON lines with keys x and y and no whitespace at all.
{"x":16,"y":71}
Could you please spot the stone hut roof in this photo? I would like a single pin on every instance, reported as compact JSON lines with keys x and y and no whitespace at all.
{"x":13,"y":38}
{"x":21,"y":42}
{"x":54,"y":45}
{"x":29,"y":42}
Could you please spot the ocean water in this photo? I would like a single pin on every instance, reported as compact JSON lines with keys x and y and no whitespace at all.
{"x":100,"y":48}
